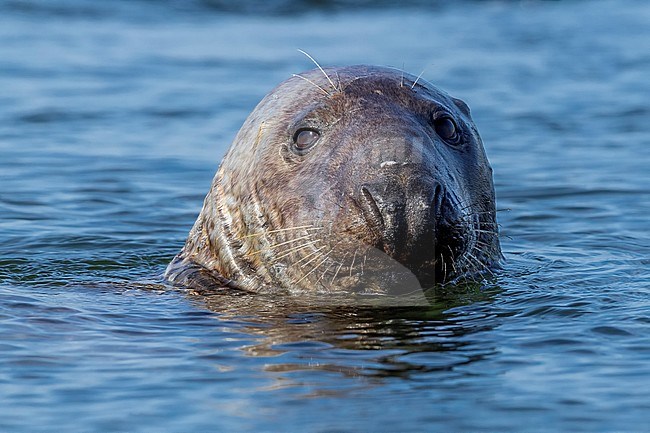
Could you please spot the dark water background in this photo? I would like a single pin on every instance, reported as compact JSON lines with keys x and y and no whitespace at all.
{"x":113,"y":118}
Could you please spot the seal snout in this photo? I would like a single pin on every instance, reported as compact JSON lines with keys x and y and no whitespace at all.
{"x":404,"y":218}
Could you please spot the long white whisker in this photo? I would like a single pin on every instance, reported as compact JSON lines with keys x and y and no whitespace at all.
{"x":312,"y":83}
{"x":480,"y":263}
{"x":271,"y":247}
{"x":444,"y":267}
{"x":309,"y":255}
{"x":418,"y":78}
{"x":309,"y":227}
{"x":321,"y":69}
{"x":316,"y":267}
{"x":338,"y":269}
{"x":294,"y":249}
{"x":490,"y":232}
{"x":324,"y":272}
{"x":453,"y":265}
{"x":354,"y":257}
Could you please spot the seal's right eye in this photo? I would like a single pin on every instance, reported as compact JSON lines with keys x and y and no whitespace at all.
{"x":305,"y":138}
{"x":447,"y":130}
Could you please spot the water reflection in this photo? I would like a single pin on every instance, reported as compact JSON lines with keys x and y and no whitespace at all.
{"x":360,"y":336}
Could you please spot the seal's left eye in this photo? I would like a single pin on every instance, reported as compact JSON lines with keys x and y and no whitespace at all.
{"x":446,"y":129}
{"x":305,"y":138}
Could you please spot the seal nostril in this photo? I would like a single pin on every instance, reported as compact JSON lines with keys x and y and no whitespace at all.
{"x":438,"y":197}
{"x":371,"y":208}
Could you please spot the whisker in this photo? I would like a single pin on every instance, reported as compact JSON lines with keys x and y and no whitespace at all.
{"x":277,"y":245}
{"x":298,"y":248}
{"x":467,"y":206}
{"x":321,"y":69}
{"x":418,"y":78}
{"x":453,"y":265}
{"x":479,"y":262}
{"x":312,"y":83}
{"x":488,"y":223}
{"x":353,"y":259}
{"x":471,"y":214}
{"x":333,"y":248}
{"x":309,"y":227}
{"x":485,"y":244}
{"x":482,"y":212}
{"x":316,"y":267}
{"x":479,"y":204}
{"x":490,"y":232}
{"x":338,"y":269}
{"x":324,"y":272}
{"x":444,"y":267}
{"x":309,"y":255}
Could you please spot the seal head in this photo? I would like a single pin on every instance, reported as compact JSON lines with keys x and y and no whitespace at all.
{"x":354,"y":179}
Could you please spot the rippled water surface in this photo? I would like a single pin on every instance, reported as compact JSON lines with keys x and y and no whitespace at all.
{"x":113,"y":119}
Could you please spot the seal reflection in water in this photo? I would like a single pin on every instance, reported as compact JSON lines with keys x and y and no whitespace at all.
{"x":354,"y":179}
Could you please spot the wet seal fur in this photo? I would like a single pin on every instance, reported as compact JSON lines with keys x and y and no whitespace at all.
{"x":353,"y":179}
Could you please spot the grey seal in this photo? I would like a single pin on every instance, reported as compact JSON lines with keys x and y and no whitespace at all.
{"x":349,"y":179}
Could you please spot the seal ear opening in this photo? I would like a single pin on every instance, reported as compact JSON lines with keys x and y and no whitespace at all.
{"x":462,"y":106}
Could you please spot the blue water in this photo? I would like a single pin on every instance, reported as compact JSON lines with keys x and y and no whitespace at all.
{"x":113,"y":119}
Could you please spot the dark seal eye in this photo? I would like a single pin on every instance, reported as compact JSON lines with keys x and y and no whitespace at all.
{"x":304,"y":138}
{"x":447,"y":130}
